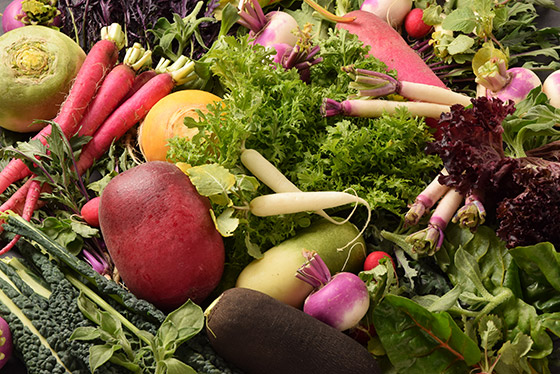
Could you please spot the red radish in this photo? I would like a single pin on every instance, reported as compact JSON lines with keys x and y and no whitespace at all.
{"x":372,"y":260}
{"x":391,"y":11}
{"x":386,"y":44}
{"x":16,"y":202}
{"x":160,"y":235}
{"x":139,"y":81}
{"x":101,"y":58}
{"x":340,"y":301}
{"x":132,"y":111}
{"x":114,"y":88}
{"x":90,"y":212}
{"x":390,"y":47}
{"x":31,"y":200}
{"x":414,"y":24}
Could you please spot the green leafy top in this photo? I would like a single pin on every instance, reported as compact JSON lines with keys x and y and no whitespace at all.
{"x":271,"y":110}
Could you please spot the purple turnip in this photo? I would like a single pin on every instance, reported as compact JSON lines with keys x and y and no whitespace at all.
{"x":496,"y":80}
{"x":11,"y":16}
{"x":340,"y":301}
{"x":274,"y":29}
{"x":391,"y":11}
{"x":18,"y":14}
{"x":6,"y":346}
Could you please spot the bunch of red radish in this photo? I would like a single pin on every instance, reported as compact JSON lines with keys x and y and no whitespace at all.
{"x":107,"y":98}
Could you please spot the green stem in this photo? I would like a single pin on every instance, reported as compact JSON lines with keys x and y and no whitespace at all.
{"x":328,"y":15}
{"x":108,"y":308}
{"x":503,"y":295}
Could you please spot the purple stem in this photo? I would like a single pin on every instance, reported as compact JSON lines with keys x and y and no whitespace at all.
{"x":96,"y":261}
{"x":331,"y":107}
{"x":314,"y":271}
{"x":252,"y":16}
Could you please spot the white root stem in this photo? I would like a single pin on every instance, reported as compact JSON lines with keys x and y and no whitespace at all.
{"x":296,"y":202}
{"x":432,"y":94}
{"x":376,"y":108}
{"x":267,"y":173}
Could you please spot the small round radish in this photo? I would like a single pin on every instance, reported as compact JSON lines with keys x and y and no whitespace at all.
{"x":414,"y":25}
{"x":551,"y":87}
{"x":391,"y":11}
{"x":340,"y":301}
{"x":90,"y":212}
{"x":372,"y":260}
{"x":6,"y":346}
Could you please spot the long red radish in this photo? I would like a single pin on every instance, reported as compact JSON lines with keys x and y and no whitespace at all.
{"x":132,"y":111}
{"x":16,"y":202}
{"x":114,"y":88}
{"x":101,"y":58}
{"x":31,"y":200}
{"x":386,"y":44}
{"x":139,"y":81}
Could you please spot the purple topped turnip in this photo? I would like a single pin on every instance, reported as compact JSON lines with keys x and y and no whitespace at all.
{"x":551,"y":87}
{"x":11,"y":16}
{"x":6,"y":346}
{"x":21,"y":13}
{"x":274,"y":29}
{"x":391,"y":11}
{"x":340,"y":301}
{"x":496,"y":80}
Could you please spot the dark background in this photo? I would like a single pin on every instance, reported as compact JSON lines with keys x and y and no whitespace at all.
{"x":548,"y":18}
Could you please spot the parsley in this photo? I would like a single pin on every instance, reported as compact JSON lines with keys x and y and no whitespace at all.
{"x":271,"y":110}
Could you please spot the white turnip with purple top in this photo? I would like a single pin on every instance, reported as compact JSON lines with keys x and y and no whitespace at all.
{"x":551,"y":87}
{"x":340,"y":300}
{"x":496,"y":80}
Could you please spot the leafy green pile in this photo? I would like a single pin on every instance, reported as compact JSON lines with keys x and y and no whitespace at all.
{"x":501,"y":316}
{"x":271,"y":110}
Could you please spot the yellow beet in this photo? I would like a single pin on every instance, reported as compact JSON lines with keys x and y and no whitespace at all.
{"x":166,"y":120}
{"x":274,"y":273}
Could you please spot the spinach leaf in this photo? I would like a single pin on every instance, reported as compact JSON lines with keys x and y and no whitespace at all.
{"x":418,"y":341}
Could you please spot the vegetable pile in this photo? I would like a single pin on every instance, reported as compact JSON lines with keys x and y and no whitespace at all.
{"x":280,"y":186}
